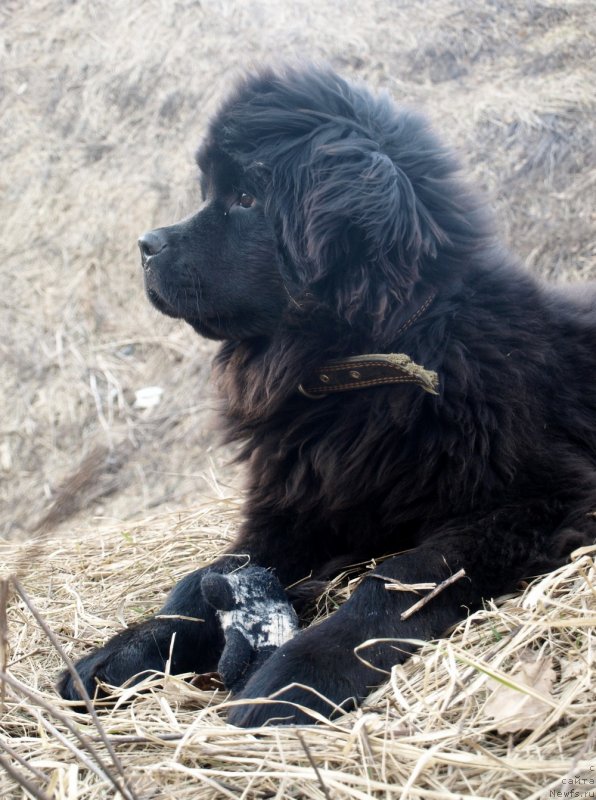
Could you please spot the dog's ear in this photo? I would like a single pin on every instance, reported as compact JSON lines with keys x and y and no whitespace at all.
{"x":357,"y":215}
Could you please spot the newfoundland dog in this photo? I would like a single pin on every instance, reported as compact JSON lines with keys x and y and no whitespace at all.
{"x":402,"y":390}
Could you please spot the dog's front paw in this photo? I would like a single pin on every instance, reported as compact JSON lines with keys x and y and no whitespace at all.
{"x":127,"y":654}
{"x":290,"y":705}
{"x":137,"y":650}
{"x":92,"y":670}
{"x":307,"y":678}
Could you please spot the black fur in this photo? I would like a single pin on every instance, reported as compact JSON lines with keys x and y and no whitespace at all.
{"x":358,"y":217}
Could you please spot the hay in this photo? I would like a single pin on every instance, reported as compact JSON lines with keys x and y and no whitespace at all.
{"x":425,"y":734}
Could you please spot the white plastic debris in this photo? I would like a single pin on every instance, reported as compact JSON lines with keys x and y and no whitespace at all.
{"x":148,"y":396}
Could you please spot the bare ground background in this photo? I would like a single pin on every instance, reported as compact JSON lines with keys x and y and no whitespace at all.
{"x":101,"y":107}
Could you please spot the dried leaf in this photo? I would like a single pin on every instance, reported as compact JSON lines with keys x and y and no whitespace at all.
{"x":207,"y":681}
{"x":515,"y":710}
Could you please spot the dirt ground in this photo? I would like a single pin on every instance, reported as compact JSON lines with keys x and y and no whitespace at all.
{"x":102,"y":105}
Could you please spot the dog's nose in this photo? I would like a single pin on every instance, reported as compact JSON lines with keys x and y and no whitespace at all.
{"x":151,"y":244}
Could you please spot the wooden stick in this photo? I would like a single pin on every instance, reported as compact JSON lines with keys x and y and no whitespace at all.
{"x":125,"y":789}
{"x":432,"y":594}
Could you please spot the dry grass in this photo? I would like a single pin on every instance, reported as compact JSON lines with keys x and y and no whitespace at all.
{"x":101,"y":107}
{"x":425,"y":734}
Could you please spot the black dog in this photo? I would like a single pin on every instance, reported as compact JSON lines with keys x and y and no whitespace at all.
{"x":335,"y":227}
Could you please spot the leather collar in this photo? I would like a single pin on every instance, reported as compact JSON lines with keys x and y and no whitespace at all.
{"x":374,"y":369}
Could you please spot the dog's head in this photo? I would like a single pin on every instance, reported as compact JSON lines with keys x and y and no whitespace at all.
{"x":312,"y":187}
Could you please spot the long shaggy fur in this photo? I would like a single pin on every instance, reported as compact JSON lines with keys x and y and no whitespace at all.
{"x":362,"y":238}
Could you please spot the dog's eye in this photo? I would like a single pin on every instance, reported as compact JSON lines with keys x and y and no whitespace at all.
{"x":246,"y":200}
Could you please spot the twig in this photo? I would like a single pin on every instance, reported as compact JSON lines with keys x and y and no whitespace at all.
{"x":313,"y":765}
{"x":126,"y":738}
{"x":393,"y":585}
{"x":125,"y":790}
{"x":101,"y":773}
{"x":85,"y":740}
{"x":4,"y":592}
{"x":23,"y":761}
{"x":22,"y":781}
{"x":432,"y":594}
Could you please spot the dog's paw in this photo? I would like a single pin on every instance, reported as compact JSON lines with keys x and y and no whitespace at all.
{"x":307,"y":679}
{"x":92,"y":672}
{"x":293,"y":705}
{"x":138,"y":650}
{"x":127,"y":654}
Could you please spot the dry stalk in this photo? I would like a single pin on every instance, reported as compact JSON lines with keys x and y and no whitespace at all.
{"x":440,"y":587}
{"x":124,"y":788}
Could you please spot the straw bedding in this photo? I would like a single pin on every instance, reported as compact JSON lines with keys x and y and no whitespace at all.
{"x":425,"y":734}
